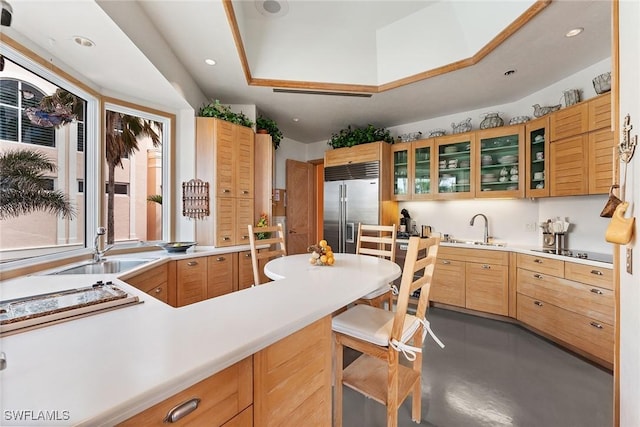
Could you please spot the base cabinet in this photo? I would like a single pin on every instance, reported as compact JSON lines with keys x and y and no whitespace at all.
{"x":476,"y":279}
{"x":573,"y":303}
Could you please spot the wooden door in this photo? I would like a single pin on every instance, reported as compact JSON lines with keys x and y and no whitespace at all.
{"x":300,"y":207}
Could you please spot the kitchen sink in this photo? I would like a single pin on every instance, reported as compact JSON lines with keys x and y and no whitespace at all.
{"x":475,"y":242}
{"x":108,"y":266}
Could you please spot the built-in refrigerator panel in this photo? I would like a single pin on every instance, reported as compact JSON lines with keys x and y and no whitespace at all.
{"x":361,"y":207}
{"x":332,"y":214}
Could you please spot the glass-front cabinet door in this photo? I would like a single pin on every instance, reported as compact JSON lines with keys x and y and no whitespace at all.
{"x":455,"y":166}
{"x":502,"y":162}
{"x":422,"y":161}
{"x":536,"y":158}
{"x":402,"y":159}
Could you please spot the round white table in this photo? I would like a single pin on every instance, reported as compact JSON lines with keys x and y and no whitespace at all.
{"x":348,"y":268}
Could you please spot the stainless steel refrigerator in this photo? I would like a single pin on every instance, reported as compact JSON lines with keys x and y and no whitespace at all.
{"x":351,"y":196}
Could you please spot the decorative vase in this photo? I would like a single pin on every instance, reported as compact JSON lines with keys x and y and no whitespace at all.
{"x":491,"y":120}
{"x":262,"y":131}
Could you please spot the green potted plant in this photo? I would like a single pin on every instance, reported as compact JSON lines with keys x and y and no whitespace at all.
{"x":223,"y":112}
{"x":349,"y":137}
{"x":271,"y":127}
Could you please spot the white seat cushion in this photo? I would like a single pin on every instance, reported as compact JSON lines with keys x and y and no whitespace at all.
{"x":372,"y":324}
{"x":380,"y":291}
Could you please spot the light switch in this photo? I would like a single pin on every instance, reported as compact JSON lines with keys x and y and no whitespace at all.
{"x":629,"y":260}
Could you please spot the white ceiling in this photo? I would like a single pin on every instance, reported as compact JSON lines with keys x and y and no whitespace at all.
{"x":154,"y":51}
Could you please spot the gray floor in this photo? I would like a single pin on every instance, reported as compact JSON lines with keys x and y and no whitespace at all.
{"x":492,"y":373}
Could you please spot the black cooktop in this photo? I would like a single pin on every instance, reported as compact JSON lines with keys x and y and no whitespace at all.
{"x":572,"y":253}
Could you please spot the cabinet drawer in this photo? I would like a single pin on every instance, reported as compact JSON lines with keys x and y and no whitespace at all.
{"x":586,"y":334}
{"x":448,"y":283}
{"x":596,"y":276}
{"x":541,"y":264}
{"x":149,"y":280}
{"x":222,"y":396}
{"x":593,"y":302}
{"x":487,"y":288}
{"x":483,"y":256}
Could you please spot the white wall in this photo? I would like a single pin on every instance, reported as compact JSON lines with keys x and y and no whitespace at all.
{"x":630,"y":283}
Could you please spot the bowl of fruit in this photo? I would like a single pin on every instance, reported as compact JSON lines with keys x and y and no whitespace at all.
{"x":321,"y":254}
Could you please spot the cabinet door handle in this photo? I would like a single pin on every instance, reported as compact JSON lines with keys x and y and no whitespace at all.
{"x":596,"y":291}
{"x":446,"y":261}
{"x":226,"y":238}
{"x":596,"y":272}
{"x":226,"y":191}
{"x":192,"y":263}
{"x":486,"y":266}
{"x":158,"y":290}
{"x":245,"y":191}
{"x":596,"y":325}
{"x":245,"y":237}
{"x":220,"y":258}
{"x":180,"y":411}
{"x":537,"y":261}
{"x":538,"y":276}
{"x":538,"y":303}
{"x":247,"y":255}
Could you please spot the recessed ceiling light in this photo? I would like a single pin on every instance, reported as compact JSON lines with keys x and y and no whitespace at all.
{"x":272,"y":8}
{"x":83,"y":41}
{"x":509,"y":72}
{"x":574,"y":32}
{"x":210,"y":61}
{"x":295,"y":119}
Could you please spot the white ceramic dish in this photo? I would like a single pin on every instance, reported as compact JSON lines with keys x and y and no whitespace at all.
{"x":508,"y":159}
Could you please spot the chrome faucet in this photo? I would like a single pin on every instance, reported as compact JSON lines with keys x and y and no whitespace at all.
{"x":486,"y":227}
{"x":97,"y":253}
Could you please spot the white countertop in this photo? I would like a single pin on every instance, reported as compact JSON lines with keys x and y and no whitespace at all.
{"x":102,"y":369}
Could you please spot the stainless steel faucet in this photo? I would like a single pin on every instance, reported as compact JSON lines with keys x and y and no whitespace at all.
{"x":486,"y":226}
{"x":97,"y":253}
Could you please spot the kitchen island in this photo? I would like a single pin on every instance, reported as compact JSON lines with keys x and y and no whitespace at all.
{"x":106,"y":368}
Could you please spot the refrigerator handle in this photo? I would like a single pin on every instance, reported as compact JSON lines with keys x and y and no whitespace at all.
{"x":350,"y":232}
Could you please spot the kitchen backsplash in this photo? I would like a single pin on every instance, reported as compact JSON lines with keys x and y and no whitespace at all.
{"x":516,"y":222}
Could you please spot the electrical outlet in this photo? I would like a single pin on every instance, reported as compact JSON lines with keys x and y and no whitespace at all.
{"x":629,"y":260}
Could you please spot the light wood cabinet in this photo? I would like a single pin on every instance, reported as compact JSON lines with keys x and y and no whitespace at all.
{"x":155,"y":282}
{"x":569,"y":165}
{"x":536,"y":172}
{"x":225,"y":158}
{"x":361,"y":153}
{"x":570,"y":121}
{"x":293,"y":379}
{"x":220,"y":274}
{"x":600,"y":112}
{"x":476,"y":279}
{"x":570,"y":302}
{"x":602,"y":161}
{"x":456,"y":162}
{"x":413,"y":170}
{"x":191,"y":281}
{"x":223,"y":396}
{"x":264,"y":174}
{"x":502,"y":165}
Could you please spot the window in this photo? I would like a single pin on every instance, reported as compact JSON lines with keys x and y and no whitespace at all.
{"x":120,"y":188}
{"x":39,"y":232}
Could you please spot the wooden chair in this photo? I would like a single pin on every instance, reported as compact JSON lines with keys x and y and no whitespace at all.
{"x":275,"y":237}
{"x":381,"y":335}
{"x":377,"y":240}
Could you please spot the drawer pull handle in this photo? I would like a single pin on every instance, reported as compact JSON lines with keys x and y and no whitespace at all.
{"x":446,"y":261}
{"x":596,"y":291}
{"x":245,"y":192}
{"x":596,"y":325}
{"x":538,"y":276}
{"x":180,"y":411}
{"x":220,"y":258}
{"x":537,"y":261}
{"x":226,"y":238}
{"x":192,"y":263}
{"x":486,"y":266}
{"x":226,"y":191}
{"x":538,"y":303}
{"x":247,"y":255}
{"x":596,"y":272}
{"x":245,"y":237}
{"x":158,"y":290}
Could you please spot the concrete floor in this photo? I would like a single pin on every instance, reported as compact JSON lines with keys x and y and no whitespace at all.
{"x":493,"y":373}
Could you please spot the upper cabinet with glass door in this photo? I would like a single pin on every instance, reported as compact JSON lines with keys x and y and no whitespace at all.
{"x":412,"y":170}
{"x":402,"y":159}
{"x":537,"y":158}
{"x":455,"y":156}
{"x":502,"y":162}
{"x":423,"y":185}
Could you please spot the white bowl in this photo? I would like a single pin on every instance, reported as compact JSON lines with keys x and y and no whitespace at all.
{"x":508,"y":159}
{"x":450,"y":149}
